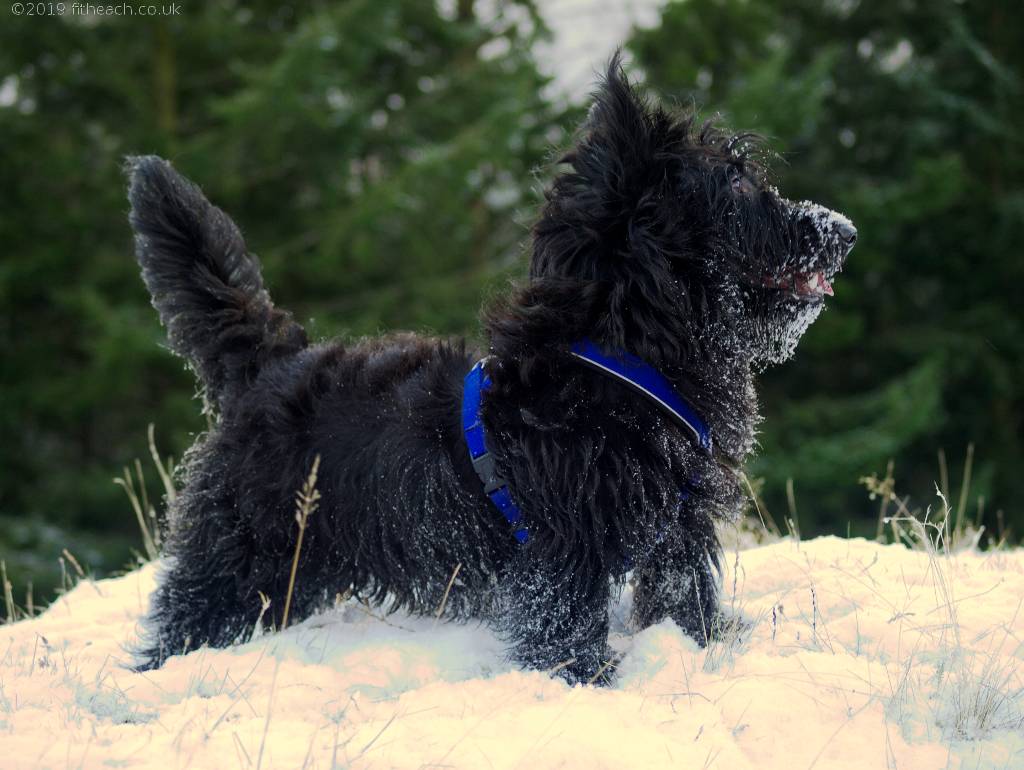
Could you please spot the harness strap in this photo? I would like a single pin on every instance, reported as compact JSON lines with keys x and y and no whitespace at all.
{"x":625,"y":367}
{"x":647,"y":381}
{"x":495,"y":487}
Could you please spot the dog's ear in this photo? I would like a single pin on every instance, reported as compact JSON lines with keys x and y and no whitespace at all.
{"x":610,"y":203}
{"x":615,"y":153}
{"x":611,"y":219}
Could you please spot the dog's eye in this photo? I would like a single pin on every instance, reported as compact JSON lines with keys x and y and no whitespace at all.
{"x":740,"y":184}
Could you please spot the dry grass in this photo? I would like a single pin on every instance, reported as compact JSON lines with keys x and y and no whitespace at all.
{"x":447,"y":591}
{"x":12,"y":612}
{"x":970,"y":692}
{"x":952,"y":530}
{"x":965,"y":691}
{"x":306,"y":502}
{"x":134,"y":486}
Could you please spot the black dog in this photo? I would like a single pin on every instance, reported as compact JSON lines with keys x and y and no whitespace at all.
{"x":606,"y":425}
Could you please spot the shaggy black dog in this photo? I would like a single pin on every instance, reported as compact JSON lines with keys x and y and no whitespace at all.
{"x":661,"y":241}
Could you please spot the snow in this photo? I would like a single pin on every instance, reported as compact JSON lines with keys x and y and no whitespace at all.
{"x":585,"y":35}
{"x":855,"y":655}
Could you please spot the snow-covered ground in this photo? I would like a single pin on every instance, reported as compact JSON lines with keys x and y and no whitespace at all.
{"x":859,"y":656}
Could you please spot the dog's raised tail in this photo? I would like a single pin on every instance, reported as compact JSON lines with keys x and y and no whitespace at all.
{"x":205,"y":285}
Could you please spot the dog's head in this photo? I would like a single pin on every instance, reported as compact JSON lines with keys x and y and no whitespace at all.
{"x":697,"y":253}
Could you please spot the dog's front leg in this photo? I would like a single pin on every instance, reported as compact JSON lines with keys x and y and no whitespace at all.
{"x":678,"y":580}
{"x":557,"y":619}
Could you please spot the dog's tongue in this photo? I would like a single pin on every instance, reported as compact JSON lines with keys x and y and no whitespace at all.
{"x":813,"y":283}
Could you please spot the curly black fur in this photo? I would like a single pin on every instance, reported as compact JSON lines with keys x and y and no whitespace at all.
{"x":661,"y":239}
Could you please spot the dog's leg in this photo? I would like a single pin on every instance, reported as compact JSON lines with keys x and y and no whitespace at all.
{"x":209,"y":561}
{"x":215,"y":568}
{"x":187,"y":612}
{"x":679,"y":581}
{"x":556,"y":622}
{"x":203,"y":604}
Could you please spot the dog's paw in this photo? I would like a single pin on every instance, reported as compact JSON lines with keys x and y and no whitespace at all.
{"x":597,"y":670}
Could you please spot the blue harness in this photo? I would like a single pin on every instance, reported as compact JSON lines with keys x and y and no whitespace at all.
{"x":627,"y":368}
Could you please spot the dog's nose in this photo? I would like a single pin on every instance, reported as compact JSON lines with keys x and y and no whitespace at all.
{"x":848,"y":233}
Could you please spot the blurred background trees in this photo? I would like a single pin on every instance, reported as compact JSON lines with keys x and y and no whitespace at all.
{"x":907,"y":116}
{"x":382,"y":160}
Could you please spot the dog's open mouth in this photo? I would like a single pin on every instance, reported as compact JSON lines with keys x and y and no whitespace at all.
{"x":808,"y":285}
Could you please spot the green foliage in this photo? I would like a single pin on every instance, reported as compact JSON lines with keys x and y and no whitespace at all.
{"x":378,"y":157}
{"x":906,"y":117}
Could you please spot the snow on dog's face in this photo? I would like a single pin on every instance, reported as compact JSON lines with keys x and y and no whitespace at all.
{"x":782,"y":256}
{"x":696,"y":252}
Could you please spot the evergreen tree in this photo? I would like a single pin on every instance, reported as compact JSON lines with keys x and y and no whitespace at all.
{"x":907,"y":117}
